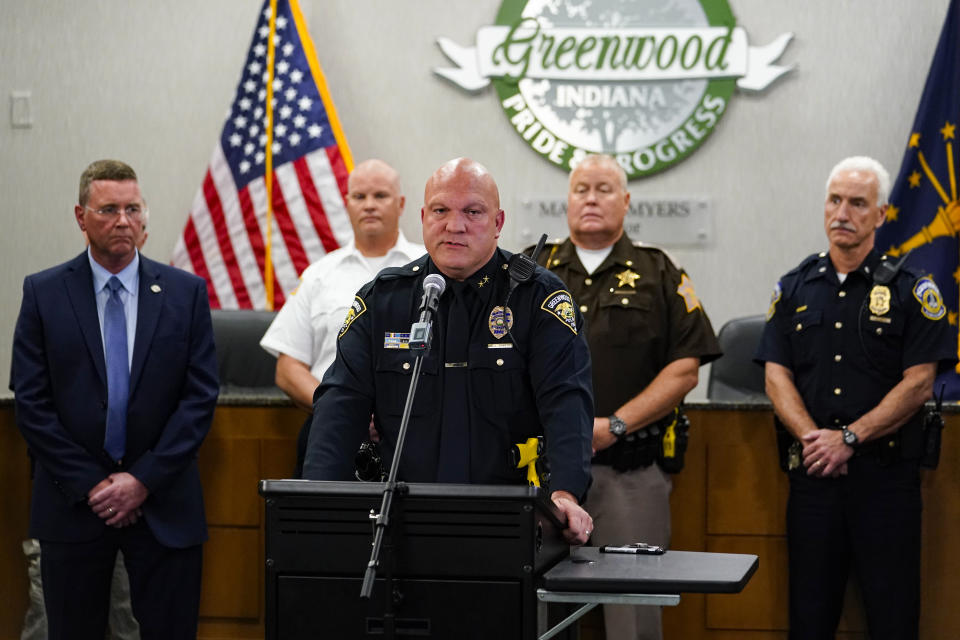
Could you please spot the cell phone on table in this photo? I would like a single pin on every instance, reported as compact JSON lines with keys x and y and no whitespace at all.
{"x":636,"y":547}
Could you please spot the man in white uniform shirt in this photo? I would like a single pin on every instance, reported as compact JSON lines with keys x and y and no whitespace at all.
{"x":303,"y":336}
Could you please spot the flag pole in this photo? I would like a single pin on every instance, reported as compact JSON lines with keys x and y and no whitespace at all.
{"x":321,"y":83}
{"x":268,"y":175}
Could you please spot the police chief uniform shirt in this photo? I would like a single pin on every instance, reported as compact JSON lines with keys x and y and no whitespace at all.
{"x":531,"y":380}
{"x":641,"y":313}
{"x":849,"y":343}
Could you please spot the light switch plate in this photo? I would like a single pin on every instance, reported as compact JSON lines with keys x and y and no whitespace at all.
{"x":21,"y":110}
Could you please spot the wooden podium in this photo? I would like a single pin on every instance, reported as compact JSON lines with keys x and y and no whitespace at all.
{"x":463,"y":559}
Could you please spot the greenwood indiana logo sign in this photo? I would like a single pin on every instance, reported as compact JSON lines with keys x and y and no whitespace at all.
{"x":646,"y":81}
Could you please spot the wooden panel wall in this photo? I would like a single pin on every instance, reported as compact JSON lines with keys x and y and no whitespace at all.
{"x":730,"y":498}
{"x":245,"y":444}
{"x":14,"y":516}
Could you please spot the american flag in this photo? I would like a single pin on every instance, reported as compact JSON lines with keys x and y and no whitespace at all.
{"x":224,"y":240}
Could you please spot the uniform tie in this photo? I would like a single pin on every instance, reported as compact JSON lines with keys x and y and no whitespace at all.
{"x":118,"y":372}
{"x":454,"y":463}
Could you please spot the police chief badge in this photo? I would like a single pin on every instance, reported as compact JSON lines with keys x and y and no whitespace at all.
{"x":560,"y":305}
{"x":357,"y":307}
{"x":501,"y":321}
{"x":879,"y":300}
{"x":927,"y":293}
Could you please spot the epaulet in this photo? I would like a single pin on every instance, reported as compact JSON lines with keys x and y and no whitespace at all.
{"x":787,"y":284}
{"x":813,"y":257}
{"x":639,"y":244}
{"x":409,"y":270}
{"x":914,"y":271}
{"x":911,"y":269}
{"x":546,"y":253}
{"x":888,"y":268}
{"x":549,"y":244}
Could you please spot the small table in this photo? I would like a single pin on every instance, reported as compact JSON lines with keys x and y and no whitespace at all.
{"x":590,"y":577}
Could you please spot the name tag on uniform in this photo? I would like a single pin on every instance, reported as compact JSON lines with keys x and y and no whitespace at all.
{"x":500,"y":345}
{"x":393,"y":340}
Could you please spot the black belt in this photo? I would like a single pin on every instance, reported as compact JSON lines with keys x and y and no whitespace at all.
{"x":637,"y":449}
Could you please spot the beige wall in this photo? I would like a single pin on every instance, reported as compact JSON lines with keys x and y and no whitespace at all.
{"x":150,"y":83}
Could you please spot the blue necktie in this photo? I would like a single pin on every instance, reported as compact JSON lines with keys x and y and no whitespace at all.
{"x":454,"y":463}
{"x":118,"y":372}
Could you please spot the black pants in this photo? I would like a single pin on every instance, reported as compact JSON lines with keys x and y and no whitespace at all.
{"x":164,"y":585}
{"x":302,"y":439}
{"x":868,"y":521}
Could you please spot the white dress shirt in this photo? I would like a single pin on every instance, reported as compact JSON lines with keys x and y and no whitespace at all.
{"x":306,"y":327}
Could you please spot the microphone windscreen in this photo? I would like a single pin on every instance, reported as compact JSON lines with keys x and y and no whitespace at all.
{"x":435,"y":280}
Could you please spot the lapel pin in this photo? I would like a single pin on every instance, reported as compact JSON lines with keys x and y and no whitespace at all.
{"x":155,"y":288}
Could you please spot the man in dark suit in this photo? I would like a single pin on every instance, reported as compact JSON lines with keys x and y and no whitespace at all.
{"x":115,"y":378}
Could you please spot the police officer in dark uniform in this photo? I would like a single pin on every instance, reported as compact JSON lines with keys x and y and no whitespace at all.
{"x":648,"y":336}
{"x":851,"y":348}
{"x":507,"y":362}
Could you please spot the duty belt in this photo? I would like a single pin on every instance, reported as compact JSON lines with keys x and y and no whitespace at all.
{"x":664,"y":442}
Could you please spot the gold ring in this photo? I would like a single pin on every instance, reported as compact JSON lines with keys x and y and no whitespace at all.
{"x":110,"y":510}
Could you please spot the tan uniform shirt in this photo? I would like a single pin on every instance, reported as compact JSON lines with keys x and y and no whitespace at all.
{"x":641,"y":314}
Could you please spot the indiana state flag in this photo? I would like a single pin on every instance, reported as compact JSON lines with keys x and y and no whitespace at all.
{"x":924,"y":211}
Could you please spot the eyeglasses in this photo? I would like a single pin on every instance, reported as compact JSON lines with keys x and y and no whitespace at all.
{"x":132,"y":211}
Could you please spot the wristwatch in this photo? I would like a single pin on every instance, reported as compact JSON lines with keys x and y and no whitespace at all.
{"x":849,"y":437}
{"x":617,"y":426}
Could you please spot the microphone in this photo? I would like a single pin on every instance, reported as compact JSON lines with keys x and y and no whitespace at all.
{"x":433,"y":287}
{"x":420,"y":333}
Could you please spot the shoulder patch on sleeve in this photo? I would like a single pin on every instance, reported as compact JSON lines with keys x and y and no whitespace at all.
{"x":928,"y":295}
{"x":685,"y":291}
{"x":560,"y":305}
{"x":774,"y":299}
{"x":357,"y":308}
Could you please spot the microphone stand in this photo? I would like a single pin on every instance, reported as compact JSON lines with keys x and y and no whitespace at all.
{"x":381,"y":521}
{"x":421,"y":335}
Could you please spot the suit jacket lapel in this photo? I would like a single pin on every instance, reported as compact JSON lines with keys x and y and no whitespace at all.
{"x":79,"y":286}
{"x":150,"y":299}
